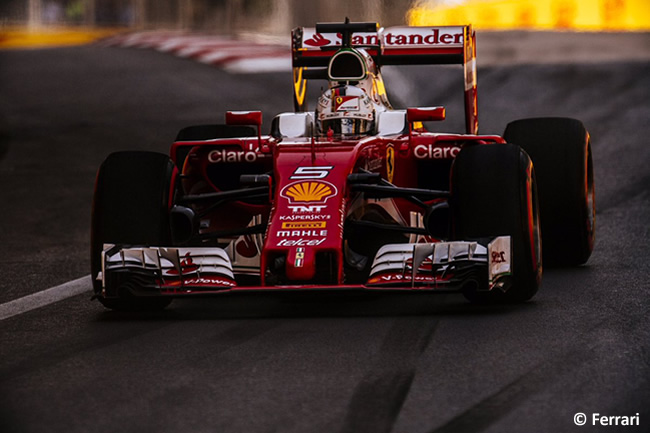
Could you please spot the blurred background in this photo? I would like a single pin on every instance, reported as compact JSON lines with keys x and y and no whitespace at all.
{"x":219,"y":16}
{"x":277,"y":17}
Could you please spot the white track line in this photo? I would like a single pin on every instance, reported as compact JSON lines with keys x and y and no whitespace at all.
{"x":46,"y":297}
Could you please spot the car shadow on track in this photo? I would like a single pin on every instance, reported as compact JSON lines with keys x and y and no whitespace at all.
{"x":238,"y":306}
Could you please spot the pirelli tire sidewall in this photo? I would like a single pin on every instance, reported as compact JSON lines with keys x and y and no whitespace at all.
{"x":561,"y":152}
{"x":493,"y":193}
{"x":131,"y":203}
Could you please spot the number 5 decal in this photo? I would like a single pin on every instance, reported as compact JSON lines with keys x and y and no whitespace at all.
{"x":311,"y":172}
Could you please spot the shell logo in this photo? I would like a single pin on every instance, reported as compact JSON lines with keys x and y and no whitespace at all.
{"x":308,"y":192}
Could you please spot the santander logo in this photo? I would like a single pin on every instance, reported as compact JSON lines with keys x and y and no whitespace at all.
{"x":187,"y":266}
{"x":393,"y":37}
{"x":419,"y":37}
{"x":318,"y":40}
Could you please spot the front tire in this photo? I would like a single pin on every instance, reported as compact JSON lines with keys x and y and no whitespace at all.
{"x":494,"y":194}
{"x":561,"y":152}
{"x":131,"y":207}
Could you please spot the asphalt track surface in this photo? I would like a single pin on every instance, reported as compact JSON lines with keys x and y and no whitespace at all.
{"x":414,"y":363}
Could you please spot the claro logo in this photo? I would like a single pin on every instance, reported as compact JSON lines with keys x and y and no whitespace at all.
{"x":434,"y":152}
{"x":220,"y":155}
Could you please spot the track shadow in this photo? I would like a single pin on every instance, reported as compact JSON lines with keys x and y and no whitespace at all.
{"x":5,"y":138}
{"x":308,"y":305}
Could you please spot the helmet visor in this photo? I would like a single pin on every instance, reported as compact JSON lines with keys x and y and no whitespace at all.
{"x":347,"y":127}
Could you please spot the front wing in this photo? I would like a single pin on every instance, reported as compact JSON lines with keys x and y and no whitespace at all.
{"x":444,"y":266}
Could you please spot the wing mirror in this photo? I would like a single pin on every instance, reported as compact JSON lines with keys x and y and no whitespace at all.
{"x":246,"y":118}
{"x":425,"y":114}
{"x":415,"y":117}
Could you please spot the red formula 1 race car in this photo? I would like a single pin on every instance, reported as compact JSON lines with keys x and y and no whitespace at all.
{"x":354,"y":195}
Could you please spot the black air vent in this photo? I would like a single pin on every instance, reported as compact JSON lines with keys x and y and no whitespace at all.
{"x":347,"y":65}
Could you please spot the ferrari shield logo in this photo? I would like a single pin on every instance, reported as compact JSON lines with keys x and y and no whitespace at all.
{"x":346,"y":103}
{"x":390,"y":163}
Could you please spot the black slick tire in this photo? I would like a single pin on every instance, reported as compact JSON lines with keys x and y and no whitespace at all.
{"x":494,"y":194}
{"x":561,"y":152}
{"x":131,"y":207}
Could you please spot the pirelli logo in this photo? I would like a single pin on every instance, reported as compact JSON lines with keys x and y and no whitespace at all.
{"x":304,"y":224}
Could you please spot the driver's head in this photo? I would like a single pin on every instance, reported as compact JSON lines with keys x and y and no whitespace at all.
{"x":346,"y":111}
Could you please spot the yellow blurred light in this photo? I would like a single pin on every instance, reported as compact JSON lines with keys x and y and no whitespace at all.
{"x":588,"y":15}
{"x":51,"y":37}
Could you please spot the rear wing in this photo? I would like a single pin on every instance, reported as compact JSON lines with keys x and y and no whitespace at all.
{"x":312,"y":49}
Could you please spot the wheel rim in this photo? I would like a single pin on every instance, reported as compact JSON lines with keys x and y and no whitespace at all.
{"x":533,"y":223}
{"x":590,"y":197}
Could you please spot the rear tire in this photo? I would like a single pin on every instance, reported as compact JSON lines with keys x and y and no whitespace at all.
{"x":561,"y":152}
{"x":494,"y":194}
{"x":131,"y":207}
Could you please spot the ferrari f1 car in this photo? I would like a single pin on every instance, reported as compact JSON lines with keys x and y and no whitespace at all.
{"x":354,"y":195}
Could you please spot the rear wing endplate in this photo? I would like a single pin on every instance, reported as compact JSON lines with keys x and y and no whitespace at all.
{"x":312,"y":49}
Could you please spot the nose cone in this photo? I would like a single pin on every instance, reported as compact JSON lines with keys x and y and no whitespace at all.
{"x":305,"y":234}
{"x":300,"y":264}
